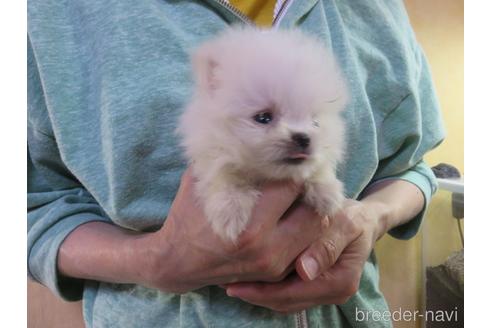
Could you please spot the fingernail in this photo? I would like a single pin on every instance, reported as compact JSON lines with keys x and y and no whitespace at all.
{"x":230,"y":292}
{"x":310,"y":266}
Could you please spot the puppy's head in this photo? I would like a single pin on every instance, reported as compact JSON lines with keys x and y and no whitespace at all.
{"x":269,"y":101}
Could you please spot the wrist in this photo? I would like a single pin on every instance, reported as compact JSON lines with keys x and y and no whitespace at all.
{"x":103,"y":252}
{"x":153,"y":261}
{"x":395,"y":201}
{"x":380,"y":214}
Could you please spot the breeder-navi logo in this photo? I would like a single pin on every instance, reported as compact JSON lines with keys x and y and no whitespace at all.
{"x":406,"y":315}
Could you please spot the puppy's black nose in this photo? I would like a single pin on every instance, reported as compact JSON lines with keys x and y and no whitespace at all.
{"x":301,"y":139}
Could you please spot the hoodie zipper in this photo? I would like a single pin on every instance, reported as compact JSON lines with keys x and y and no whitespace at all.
{"x":300,"y":317}
{"x":281,"y":13}
{"x":245,"y":19}
{"x":236,"y":12}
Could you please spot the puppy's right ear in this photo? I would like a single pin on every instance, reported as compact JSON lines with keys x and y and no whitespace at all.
{"x":205,"y":68}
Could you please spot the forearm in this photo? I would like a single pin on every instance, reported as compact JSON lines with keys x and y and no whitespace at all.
{"x":395,"y":202}
{"x":103,"y":252}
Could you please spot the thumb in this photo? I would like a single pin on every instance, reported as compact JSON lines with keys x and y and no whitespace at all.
{"x":319,"y":257}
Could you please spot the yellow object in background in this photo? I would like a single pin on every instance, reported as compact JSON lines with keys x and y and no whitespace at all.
{"x":261,"y":12}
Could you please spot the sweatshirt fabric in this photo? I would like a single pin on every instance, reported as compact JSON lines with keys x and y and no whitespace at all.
{"x":107,"y":81}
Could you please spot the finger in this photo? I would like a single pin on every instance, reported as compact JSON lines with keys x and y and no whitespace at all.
{"x":325,"y":252}
{"x":276,"y":198}
{"x":186,"y":183}
{"x":300,"y":227}
{"x":188,"y":173}
{"x":289,"y":292}
{"x":334,"y":287}
{"x":318,"y":258}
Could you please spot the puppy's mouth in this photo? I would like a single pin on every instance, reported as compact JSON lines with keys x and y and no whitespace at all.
{"x":296,"y":158}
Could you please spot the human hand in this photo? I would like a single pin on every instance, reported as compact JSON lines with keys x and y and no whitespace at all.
{"x":185,"y":254}
{"x":329,"y":271}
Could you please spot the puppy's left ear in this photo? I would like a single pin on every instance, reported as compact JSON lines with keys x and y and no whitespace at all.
{"x":205,"y":67}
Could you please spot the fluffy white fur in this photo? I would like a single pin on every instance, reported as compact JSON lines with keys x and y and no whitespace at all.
{"x":245,"y":72}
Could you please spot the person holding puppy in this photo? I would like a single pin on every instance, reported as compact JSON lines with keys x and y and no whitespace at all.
{"x":112,"y":214}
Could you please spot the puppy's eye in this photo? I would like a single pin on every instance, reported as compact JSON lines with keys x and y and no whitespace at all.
{"x":263,"y":118}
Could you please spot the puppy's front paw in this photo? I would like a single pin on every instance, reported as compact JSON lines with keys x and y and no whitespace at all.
{"x":229,"y":211}
{"x":326,"y":198}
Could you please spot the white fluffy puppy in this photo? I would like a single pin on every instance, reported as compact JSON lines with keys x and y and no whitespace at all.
{"x":266,"y":106}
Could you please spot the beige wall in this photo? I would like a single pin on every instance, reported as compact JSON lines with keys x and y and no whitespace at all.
{"x":44,"y":310}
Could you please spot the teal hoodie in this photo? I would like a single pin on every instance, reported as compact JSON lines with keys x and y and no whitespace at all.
{"x":107,"y":81}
